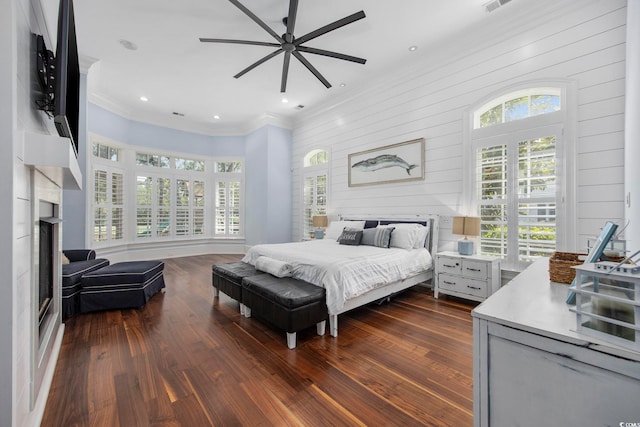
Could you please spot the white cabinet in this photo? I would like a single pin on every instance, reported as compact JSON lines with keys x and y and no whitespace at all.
{"x":532,"y":368}
{"x":466,"y":276}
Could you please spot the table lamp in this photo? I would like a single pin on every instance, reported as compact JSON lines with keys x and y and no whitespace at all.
{"x":466,"y":226}
{"x":319,"y":222}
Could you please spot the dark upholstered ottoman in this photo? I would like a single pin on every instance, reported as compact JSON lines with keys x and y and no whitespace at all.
{"x":227,"y":278}
{"x":121,"y":285}
{"x":287,"y":303}
{"x":82,"y":261}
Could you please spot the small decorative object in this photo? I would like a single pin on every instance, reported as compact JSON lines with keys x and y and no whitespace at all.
{"x":320,"y":222}
{"x":393,"y":163}
{"x":466,"y":226}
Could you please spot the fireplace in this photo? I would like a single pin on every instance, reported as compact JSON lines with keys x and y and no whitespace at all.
{"x":46,"y":259}
{"x":46,"y":275}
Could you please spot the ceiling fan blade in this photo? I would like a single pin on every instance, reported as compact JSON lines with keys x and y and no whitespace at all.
{"x":311,"y":68}
{"x":261,"y":61}
{"x":330,"y":27}
{"x":285,"y":71}
{"x":255,"y":43}
{"x":331,"y":54}
{"x":257,"y":20}
{"x":291,"y":18}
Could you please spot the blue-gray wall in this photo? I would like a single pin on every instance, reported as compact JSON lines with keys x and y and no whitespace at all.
{"x":268,"y":186}
{"x":267,"y":153}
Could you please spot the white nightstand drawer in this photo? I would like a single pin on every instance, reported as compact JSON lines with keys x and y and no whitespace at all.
{"x":474,"y":269}
{"x":463,"y":285}
{"x":449,"y":265}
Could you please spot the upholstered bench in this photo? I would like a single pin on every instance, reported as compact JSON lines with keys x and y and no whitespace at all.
{"x":121,"y":285}
{"x":287,"y":303}
{"x":227,"y":278}
{"x":81,"y":262}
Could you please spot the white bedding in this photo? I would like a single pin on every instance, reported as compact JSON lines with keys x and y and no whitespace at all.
{"x":344,"y":271}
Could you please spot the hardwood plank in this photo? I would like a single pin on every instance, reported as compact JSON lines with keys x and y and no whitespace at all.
{"x":189,"y":359}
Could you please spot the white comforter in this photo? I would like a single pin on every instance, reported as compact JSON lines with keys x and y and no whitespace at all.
{"x":344,"y":271}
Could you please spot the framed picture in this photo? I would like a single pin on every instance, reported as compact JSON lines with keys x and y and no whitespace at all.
{"x":392,"y":163}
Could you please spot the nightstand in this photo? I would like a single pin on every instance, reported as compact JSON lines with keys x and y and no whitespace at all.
{"x":471,"y":277}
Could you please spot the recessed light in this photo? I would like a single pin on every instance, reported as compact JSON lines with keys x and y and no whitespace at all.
{"x":127,"y":44}
{"x":343,"y":84}
{"x":413,"y":48}
{"x":285,"y":100}
{"x":216,"y":117}
{"x":144,"y":99}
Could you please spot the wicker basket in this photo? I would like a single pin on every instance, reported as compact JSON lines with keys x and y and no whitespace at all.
{"x":560,"y":265}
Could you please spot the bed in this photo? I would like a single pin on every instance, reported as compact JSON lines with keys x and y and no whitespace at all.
{"x":357,"y":275}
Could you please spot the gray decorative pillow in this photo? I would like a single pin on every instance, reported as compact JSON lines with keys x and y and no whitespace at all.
{"x":350,"y":237}
{"x":380,"y":237}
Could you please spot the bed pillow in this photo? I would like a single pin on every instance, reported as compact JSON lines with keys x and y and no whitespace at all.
{"x":407,"y":235}
{"x":422,"y":236}
{"x":380,"y":237}
{"x":336,"y":227}
{"x":350,"y":237}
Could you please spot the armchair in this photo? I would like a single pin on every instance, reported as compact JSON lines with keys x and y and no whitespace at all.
{"x":81,"y":261}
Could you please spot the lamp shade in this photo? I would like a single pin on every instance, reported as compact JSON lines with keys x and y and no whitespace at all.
{"x":319,"y":221}
{"x":466,"y":225}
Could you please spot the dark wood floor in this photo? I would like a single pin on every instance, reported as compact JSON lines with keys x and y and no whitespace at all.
{"x":189,"y":359}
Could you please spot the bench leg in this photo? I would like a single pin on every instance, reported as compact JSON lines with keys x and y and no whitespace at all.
{"x":320,"y":327}
{"x":291,"y":340}
{"x":333,"y":325}
{"x":216,"y":292}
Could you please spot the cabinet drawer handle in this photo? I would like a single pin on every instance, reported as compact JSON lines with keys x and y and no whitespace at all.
{"x":474,"y":287}
{"x":448,"y":283}
{"x":449,"y":266}
{"x":474,"y":269}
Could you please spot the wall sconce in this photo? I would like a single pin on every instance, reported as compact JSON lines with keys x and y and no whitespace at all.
{"x":319,"y":222}
{"x":466,"y":226}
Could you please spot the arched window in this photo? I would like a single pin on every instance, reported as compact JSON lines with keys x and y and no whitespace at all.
{"x":518,"y":105}
{"x":519,"y":168}
{"x":315,"y":187}
{"x":316,"y":158}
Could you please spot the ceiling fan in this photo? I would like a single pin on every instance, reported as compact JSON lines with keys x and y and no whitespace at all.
{"x":291,"y":45}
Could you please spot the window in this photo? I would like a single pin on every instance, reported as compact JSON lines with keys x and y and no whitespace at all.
{"x":517,"y":106}
{"x":314,"y":192}
{"x":108,"y":194}
{"x":518,"y":146}
{"x":105,"y":151}
{"x":146,"y":159}
{"x":170,"y":196}
{"x":228,"y":207}
{"x":108,"y":205}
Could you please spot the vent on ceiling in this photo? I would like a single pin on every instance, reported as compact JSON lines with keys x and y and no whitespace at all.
{"x":175,"y":113}
{"x":493,"y":5}
{"x":299,"y":107}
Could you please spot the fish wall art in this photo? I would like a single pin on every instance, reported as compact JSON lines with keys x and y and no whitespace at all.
{"x":392,"y":163}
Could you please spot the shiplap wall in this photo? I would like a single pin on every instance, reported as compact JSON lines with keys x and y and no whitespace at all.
{"x":580,"y":41}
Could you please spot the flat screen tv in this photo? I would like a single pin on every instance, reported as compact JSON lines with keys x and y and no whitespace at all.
{"x":67,"y":76}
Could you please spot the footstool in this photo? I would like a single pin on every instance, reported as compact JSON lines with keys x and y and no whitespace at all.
{"x":227,"y":278}
{"x":121,"y":285}
{"x":287,"y":303}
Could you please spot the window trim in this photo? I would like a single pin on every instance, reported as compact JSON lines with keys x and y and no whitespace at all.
{"x":565,"y":119}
